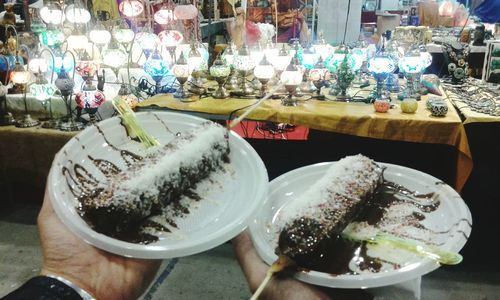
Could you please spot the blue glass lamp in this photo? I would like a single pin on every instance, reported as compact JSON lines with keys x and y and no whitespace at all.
{"x":412,"y":65}
{"x":156,"y":67}
{"x":381,"y":66}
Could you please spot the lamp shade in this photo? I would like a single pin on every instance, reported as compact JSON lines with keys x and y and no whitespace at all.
{"x":228,"y":56}
{"x":264,"y":70}
{"x":51,"y":38}
{"x":281,"y":61}
{"x":148,"y":41}
{"x":291,"y":76}
{"x":181,"y":67}
{"x":52,"y":14}
{"x":86,"y":67}
{"x":38,"y":65}
{"x":219,"y":69}
{"x":77,"y":41}
{"x":89,"y":97}
{"x":170,"y":38}
{"x":333,"y":62}
{"x":131,"y":8}
{"x":64,"y":83}
{"x":185,"y":12}
{"x":76,"y":14}
{"x":165,"y":14}
{"x":319,"y":72}
{"x":194,"y":60}
{"x":411,"y":63}
{"x":41,"y":89}
{"x":309,"y":58}
{"x":243,"y":61}
{"x":59,"y":61}
{"x":358,"y":56}
{"x":19,"y":75}
{"x":122,"y":33}
{"x":114,"y":57}
{"x":381,"y":65}
{"x":99,"y":35}
{"x":125,"y":94}
{"x":156,"y":66}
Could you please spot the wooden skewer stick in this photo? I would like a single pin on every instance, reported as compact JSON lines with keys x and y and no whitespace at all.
{"x":279,"y":265}
{"x":257,"y":104}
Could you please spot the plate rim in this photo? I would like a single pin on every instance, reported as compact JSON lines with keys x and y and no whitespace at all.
{"x":349,"y":281}
{"x":134,"y":250}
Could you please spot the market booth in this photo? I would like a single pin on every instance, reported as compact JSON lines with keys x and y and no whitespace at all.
{"x":413,"y":87}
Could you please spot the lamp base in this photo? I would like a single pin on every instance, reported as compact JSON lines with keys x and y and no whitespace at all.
{"x":232,"y":83}
{"x":220,"y":93}
{"x":51,"y":124}
{"x":72,"y":126}
{"x":344,"y":98}
{"x":27,"y":122}
{"x":7,"y":119}
{"x":182,"y":95}
{"x":289,"y":101}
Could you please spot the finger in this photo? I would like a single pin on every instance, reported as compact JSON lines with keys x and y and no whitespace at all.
{"x":252,"y":265}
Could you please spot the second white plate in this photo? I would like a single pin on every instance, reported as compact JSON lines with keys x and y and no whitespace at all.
{"x":452,"y":220}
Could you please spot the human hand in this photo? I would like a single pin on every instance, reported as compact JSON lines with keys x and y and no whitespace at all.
{"x":255,"y":270}
{"x":102,"y":274}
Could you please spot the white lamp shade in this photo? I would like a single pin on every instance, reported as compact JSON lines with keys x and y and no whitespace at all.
{"x":171,"y":38}
{"x":280,"y":62}
{"x":77,"y":15}
{"x":195,"y":63}
{"x":291,"y":77}
{"x":148,"y":41}
{"x":185,"y":12}
{"x":264,"y":72}
{"x":20,"y":77}
{"x":38,"y":65}
{"x":220,"y":70}
{"x":257,"y":56}
{"x":244,"y":63}
{"x":131,"y":8}
{"x":123,"y":35}
{"x":100,"y":36}
{"x":77,"y":42}
{"x":164,"y":16}
{"x":114,"y":58}
{"x":52,"y":14}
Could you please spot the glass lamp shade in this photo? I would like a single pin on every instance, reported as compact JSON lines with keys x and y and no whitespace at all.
{"x":77,"y":15}
{"x":426,"y":58}
{"x":181,"y":70}
{"x":59,"y":61}
{"x":309,"y":58}
{"x":194,"y":60}
{"x":381,"y":65}
{"x":77,"y":41}
{"x":100,"y":36}
{"x":281,"y":61}
{"x":319,"y":74}
{"x":156,"y":66}
{"x":358,"y":56}
{"x":228,"y":56}
{"x":123,"y":35}
{"x":148,"y":41}
{"x":64,"y":83}
{"x":51,"y":38}
{"x":291,"y":76}
{"x":411,"y":64}
{"x":333,"y":62}
{"x":165,"y":14}
{"x":86,"y":68}
{"x":185,"y":12}
{"x":264,"y":71}
{"x":42,"y":91}
{"x":52,"y":14}
{"x":220,"y":70}
{"x":19,"y":75}
{"x":38,"y":65}
{"x":244,"y":63}
{"x":89,"y":98}
{"x":323,"y":49}
{"x":256,"y":55}
{"x":130,"y":99}
{"x":171,"y":38}
{"x":131,"y":8}
{"x":114,"y":57}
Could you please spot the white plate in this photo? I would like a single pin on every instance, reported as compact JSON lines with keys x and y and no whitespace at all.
{"x":228,"y":208}
{"x":452,"y":213}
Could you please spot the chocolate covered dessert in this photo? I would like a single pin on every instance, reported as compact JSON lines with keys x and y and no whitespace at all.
{"x":124,"y":206}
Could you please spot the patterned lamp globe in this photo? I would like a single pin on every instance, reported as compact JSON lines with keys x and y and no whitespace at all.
{"x":244,"y":65}
{"x":148,"y":41}
{"x":170,"y":38}
{"x":156,"y":67}
{"x":38,"y":65}
{"x":51,"y":38}
{"x":125,"y":94}
{"x":333,"y":62}
{"x":185,"y":12}
{"x":60,"y":60}
{"x":64,"y":82}
{"x":131,"y":8}
{"x":264,"y":72}
{"x":90,"y":99}
{"x":412,"y":65}
{"x":86,"y":66}
{"x":281,"y":61}
{"x":100,"y":36}
{"x":114,"y":56}
{"x":309,"y":58}
{"x":228,"y":55}
{"x":165,"y":14}
{"x":381,"y":66}
{"x":181,"y":72}
{"x":291,"y":78}
{"x":220,"y":71}
{"x":20,"y":75}
{"x":42,"y":90}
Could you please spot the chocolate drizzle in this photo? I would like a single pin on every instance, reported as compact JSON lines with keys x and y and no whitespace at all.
{"x":338,"y":256}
